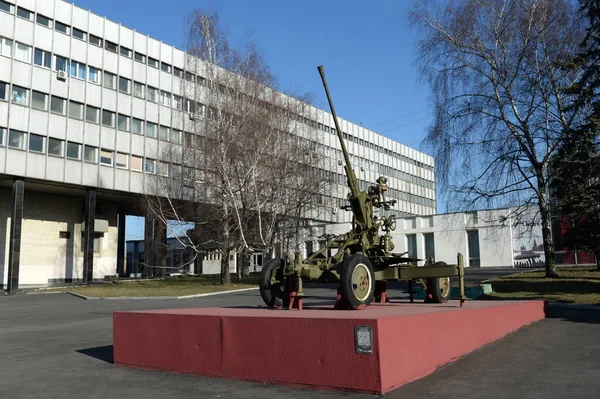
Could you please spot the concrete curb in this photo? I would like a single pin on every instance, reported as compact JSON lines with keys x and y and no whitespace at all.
{"x":126,"y":298}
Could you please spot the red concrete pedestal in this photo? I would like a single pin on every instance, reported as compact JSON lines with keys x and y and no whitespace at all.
{"x":315,"y":347}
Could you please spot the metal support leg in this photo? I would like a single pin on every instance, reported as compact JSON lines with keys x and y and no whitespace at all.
{"x":410,"y":291}
{"x":16,"y":223}
{"x":88,"y":236}
{"x":461,"y":279}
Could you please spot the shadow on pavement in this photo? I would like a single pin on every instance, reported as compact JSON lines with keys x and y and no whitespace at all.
{"x":584,"y":314}
{"x":104,"y":353}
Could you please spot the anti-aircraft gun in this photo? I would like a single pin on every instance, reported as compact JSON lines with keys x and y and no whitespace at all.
{"x":364,"y":260}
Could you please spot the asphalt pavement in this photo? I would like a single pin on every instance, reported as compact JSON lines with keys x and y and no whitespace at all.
{"x":60,"y":346}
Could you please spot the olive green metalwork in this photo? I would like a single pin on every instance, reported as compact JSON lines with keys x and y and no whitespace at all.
{"x":370,"y":236}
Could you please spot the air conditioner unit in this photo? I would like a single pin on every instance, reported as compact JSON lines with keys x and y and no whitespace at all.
{"x":61,"y":75}
{"x":193,"y":117}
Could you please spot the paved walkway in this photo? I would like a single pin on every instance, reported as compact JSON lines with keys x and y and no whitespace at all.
{"x":59,"y":346}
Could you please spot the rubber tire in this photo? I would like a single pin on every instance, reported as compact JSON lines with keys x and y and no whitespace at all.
{"x":433,"y":287}
{"x":274,"y":296}
{"x":346,"y":270}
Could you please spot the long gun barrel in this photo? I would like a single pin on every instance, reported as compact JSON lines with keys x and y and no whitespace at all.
{"x":351,"y":176}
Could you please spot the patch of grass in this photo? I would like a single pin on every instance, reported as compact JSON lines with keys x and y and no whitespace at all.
{"x":578,"y":285}
{"x":169,"y":286}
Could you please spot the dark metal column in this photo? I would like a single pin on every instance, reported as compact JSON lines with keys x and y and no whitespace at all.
{"x":16,"y":224}
{"x":121,"y":243}
{"x":149,"y":256}
{"x":88,"y":236}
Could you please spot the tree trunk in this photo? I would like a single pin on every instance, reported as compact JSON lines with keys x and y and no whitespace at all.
{"x":225,"y":247}
{"x":245,"y":258}
{"x":547,"y":237}
{"x":225,"y":276}
{"x":597,"y":255}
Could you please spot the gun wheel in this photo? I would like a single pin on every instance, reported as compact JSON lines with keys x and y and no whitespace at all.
{"x":273,"y":287}
{"x":439,"y":288}
{"x":357,"y":281}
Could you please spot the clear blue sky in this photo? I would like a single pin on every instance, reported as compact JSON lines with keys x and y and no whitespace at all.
{"x":367,"y":49}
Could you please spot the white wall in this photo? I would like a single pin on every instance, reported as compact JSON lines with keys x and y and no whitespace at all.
{"x":450,"y":236}
{"x":45,"y":257}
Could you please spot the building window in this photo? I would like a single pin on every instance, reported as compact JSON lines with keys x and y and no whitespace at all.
{"x":136,"y":163}
{"x":16,"y":139}
{"x":149,"y":165}
{"x":165,"y":67}
{"x":429,"y":245}
{"x":162,"y":168}
{"x":473,"y":242}
{"x":58,"y":105}
{"x":75,"y":110}
{"x":165,"y":98}
{"x":78,"y":69}
{"x":6,"y":46}
{"x":108,"y":118}
{"x":92,"y":114}
{"x":39,"y":100}
{"x":43,"y":21}
{"x":61,"y":63}
{"x":110,"y":80}
{"x":176,"y":136}
{"x":25,"y":14}
{"x":90,"y":154}
{"x":124,"y":85}
{"x":36,"y":143}
{"x":122,"y":161}
{"x":79,"y":34}
{"x":139,"y":57}
{"x":190,"y":77}
{"x":73,"y":150}
{"x":178,"y":72}
{"x":137,"y":126}
{"x":163,"y":133}
{"x":95,"y":40}
{"x":55,"y":147}
{"x":110,"y":46}
{"x":188,"y":139}
{"x":177,"y":102}
{"x":151,"y":94}
{"x":4,"y":91}
{"x":93,"y":75}
{"x":42,"y":58}
{"x":190,"y":106}
{"x":23,"y":53}
{"x":151,"y":130}
{"x":59,"y":26}
{"x":138,"y":90}
{"x":152,"y":62}
{"x":6,"y":7}
{"x":106,"y":157}
{"x":20,"y":95}
{"x":411,"y":245}
{"x":125,"y":52}
{"x":123,"y":122}
{"x":2,"y":134}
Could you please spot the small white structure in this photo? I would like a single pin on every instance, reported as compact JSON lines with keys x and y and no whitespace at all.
{"x":486,"y":238}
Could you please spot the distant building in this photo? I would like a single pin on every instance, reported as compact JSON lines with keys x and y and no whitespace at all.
{"x":87,"y":104}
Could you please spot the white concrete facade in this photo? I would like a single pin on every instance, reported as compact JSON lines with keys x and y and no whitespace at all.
{"x":86,"y":102}
{"x":498,"y":241}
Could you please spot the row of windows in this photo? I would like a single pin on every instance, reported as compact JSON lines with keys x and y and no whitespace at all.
{"x":76,"y":69}
{"x":99,"y":42}
{"x":76,"y":110}
{"x":36,"y":143}
{"x":79,"y":71}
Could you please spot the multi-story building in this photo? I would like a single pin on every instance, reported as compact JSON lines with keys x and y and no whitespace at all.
{"x":86,"y":105}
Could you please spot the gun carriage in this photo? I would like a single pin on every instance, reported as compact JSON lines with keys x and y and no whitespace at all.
{"x":364,"y":260}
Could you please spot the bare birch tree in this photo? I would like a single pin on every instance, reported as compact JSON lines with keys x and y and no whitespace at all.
{"x":251,"y":166}
{"x":496,"y":82}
